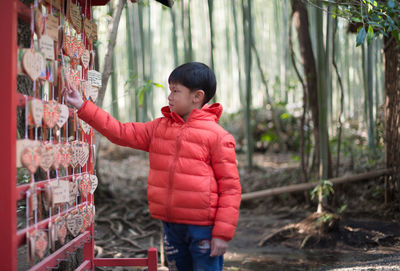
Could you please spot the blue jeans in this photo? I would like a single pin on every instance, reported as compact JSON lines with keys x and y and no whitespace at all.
{"x":188,"y":248}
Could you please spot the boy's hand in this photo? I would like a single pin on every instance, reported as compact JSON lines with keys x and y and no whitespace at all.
{"x":71,"y":95}
{"x":218,"y":247}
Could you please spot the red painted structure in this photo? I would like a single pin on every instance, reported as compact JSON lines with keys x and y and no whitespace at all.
{"x":10,"y":193}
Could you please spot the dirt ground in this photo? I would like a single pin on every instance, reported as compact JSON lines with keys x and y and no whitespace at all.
{"x":367,"y":236}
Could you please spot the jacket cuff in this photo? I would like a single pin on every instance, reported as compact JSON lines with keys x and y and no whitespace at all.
{"x":86,"y":112}
{"x":83,"y":107}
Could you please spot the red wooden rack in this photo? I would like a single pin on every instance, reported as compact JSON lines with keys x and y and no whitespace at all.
{"x":10,"y":193}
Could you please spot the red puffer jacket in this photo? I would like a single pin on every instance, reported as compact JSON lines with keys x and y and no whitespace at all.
{"x":193,"y":177}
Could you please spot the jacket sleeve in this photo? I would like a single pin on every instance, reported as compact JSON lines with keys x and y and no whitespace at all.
{"x":223,"y":160}
{"x":136,"y":135}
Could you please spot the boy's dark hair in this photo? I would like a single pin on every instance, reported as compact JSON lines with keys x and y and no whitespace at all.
{"x":195,"y":76}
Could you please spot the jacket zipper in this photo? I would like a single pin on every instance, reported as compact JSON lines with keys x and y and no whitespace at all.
{"x":172,"y":171}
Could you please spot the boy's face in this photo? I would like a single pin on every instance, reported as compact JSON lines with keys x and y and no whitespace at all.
{"x":181,"y":99}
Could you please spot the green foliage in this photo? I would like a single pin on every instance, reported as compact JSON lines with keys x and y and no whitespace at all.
{"x":130,"y":80}
{"x":296,"y":158}
{"x":324,"y":187}
{"x":376,"y":17}
{"x":265,"y":132}
{"x":144,"y":3}
{"x":141,"y":90}
{"x":325,"y":218}
{"x":361,"y":36}
{"x":269,"y":136}
{"x":342,"y":208}
{"x":329,"y":217}
{"x":286,"y":115}
{"x":23,"y":176}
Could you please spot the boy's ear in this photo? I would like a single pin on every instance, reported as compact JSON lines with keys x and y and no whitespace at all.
{"x":199,"y":96}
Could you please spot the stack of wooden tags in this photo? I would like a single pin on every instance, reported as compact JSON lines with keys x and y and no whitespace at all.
{"x":56,"y":143}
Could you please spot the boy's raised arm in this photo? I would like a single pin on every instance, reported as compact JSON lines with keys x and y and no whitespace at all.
{"x":136,"y":135}
{"x":229,"y":189}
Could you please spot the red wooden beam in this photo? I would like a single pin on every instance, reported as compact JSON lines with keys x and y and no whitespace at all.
{"x":86,"y":265}
{"x":8,"y":79}
{"x":99,"y":2}
{"x":23,"y":12}
{"x":103,"y":2}
{"x":101,"y":262}
{"x":62,"y":253}
{"x":150,"y":261}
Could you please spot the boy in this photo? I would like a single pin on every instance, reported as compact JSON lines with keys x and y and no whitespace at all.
{"x":193,"y":182}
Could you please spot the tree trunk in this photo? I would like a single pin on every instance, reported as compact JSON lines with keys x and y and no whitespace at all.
{"x":370,"y":95}
{"x":392,"y":120}
{"x":365,"y":84}
{"x":328,"y":70}
{"x":114,"y":83}
{"x":325,"y":168}
{"x":210,"y":19}
{"x":138,"y":51}
{"x":348,"y":107}
{"x":247,"y":28}
{"x":114,"y":90}
{"x":189,"y":32}
{"x":375,"y":73}
{"x":241,"y":95}
{"x":143,"y":56}
{"x":228,"y":44}
{"x":300,"y":17}
{"x":278,"y":43}
{"x":132,"y":73}
{"x":186,"y":30}
{"x":174,"y":37}
{"x":212,"y":46}
{"x":112,"y":37}
{"x":341,"y":103}
{"x":284,"y":43}
{"x":303,"y":161}
{"x":149,"y":45}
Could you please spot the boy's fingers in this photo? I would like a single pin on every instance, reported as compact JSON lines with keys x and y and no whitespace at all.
{"x":214,"y":251}
{"x":217,"y":250}
{"x":63,"y":91}
{"x":67,"y":88}
{"x":68,"y":84}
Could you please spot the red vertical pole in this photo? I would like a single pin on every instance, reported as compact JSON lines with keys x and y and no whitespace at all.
{"x":8,"y":79}
{"x":152,"y":259}
{"x":88,"y":249}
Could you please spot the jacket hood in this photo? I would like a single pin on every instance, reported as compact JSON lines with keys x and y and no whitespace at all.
{"x":207,"y":112}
